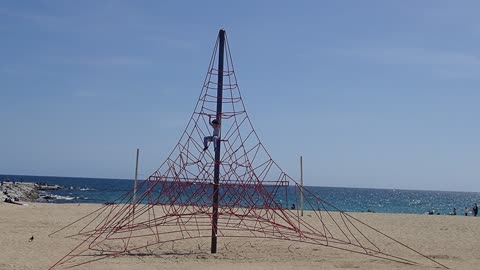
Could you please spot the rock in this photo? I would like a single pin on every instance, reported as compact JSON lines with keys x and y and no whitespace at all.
{"x":19,"y":191}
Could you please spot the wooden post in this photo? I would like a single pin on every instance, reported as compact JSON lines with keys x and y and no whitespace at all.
{"x":134,"y":199}
{"x":301,"y":186}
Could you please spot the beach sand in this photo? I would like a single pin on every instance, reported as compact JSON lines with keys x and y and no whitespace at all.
{"x":451,"y":240}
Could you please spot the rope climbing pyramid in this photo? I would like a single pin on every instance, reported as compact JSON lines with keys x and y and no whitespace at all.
{"x":220,"y":182}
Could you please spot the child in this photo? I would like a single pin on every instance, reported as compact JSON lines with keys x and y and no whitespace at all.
{"x":216,"y":134}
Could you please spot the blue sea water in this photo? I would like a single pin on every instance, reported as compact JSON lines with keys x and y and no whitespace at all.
{"x":97,"y":190}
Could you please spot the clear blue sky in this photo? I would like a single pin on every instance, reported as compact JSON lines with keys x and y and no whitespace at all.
{"x":380,"y":94}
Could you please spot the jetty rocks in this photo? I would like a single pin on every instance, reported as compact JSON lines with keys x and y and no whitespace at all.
{"x":23,"y":191}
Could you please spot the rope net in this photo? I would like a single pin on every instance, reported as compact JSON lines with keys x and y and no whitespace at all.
{"x":174,"y":204}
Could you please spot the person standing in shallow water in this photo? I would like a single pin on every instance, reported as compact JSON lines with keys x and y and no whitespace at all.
{"x":475,"y":210}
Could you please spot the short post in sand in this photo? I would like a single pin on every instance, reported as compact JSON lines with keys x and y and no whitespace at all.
{"x":134,"y":198}
{"x":301,"y":186}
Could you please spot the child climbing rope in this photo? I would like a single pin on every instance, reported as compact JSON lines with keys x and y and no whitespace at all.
{"x":216,"y":134}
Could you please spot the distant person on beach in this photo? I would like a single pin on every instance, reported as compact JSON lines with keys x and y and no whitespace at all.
{"x":466,"y":211}
{"x":475,"y":210}
{"x":454,"y":211}
{"x":216,"y":134}
{"x":293,"y":206}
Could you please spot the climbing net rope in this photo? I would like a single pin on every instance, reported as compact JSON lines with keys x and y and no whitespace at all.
{"x":175,"y":202}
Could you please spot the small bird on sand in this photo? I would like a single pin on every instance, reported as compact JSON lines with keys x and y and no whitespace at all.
{"x":31,"y":239}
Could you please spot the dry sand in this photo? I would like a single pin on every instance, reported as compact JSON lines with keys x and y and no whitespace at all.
{"x":452,"y":240}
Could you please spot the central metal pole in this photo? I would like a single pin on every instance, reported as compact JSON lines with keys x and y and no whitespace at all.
{"x":216,"y":172}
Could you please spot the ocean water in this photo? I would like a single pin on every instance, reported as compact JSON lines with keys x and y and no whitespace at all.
{"x":97,"y":190}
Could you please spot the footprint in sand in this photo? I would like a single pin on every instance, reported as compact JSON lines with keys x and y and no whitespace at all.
{"x":347,"y":265}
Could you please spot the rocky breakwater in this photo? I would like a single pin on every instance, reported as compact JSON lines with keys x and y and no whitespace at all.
{"x":18,"y":192}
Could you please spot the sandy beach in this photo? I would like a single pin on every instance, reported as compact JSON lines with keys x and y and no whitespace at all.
{"x":451,"y":240}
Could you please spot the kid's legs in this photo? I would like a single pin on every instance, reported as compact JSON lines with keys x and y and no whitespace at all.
{"x":209,"y":139}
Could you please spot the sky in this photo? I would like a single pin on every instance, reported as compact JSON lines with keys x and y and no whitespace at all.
{"x":374,"y":94}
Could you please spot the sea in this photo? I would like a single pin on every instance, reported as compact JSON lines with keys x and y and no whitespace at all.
{"x":100,"y":190}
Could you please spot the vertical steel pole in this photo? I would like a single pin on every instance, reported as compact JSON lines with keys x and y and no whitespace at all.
{"x":216,"y":173}
{"x":134,"y":199}
{"x":301,"y":185}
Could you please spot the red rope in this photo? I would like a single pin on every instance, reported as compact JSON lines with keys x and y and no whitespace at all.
{"x":174,"y":203}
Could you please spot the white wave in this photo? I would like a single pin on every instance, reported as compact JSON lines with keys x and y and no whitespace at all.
{"x":58,"y":197}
